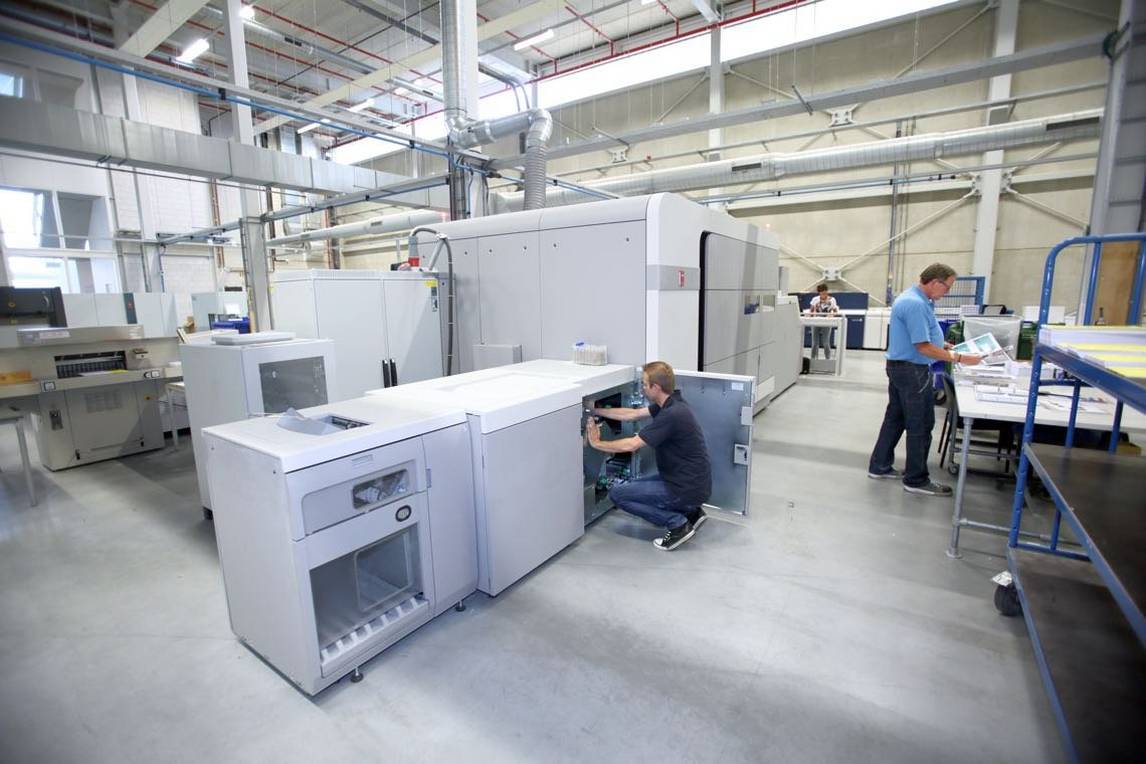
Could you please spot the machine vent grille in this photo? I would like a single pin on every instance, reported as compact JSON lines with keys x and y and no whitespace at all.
{"x":105,"y":400}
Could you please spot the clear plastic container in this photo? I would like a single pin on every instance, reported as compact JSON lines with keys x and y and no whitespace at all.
{"x":590,"y":355}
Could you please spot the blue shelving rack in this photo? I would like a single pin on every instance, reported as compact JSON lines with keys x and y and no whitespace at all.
{"x":1084,"y":606}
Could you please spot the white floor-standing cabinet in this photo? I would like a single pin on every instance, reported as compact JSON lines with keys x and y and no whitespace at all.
{"x":388,"y":327}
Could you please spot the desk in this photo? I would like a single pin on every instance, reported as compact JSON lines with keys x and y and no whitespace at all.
{"x":840,"y":324}
{"x":970,"y":409}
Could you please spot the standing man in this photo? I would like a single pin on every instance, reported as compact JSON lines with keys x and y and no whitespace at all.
{"x":823,"y":304}
{"x":914,"y":341}
{"x":671,"y":499}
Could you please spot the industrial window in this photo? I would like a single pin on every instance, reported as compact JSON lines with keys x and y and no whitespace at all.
{"x":32,"y":219}
{"x":28,"y":219}
{"x":58,"y":240}
{"x":38,"y":84}
{"x":11,"y":83}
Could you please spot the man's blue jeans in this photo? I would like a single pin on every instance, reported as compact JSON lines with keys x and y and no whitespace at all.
{"x":649,"y":498}
{"x":910,"y":407}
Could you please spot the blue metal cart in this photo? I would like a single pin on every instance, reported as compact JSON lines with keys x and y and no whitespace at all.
{"x":1084,"y":602}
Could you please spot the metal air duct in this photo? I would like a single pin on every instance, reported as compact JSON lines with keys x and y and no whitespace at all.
{"x":772,"y":166}
{"x":380,"y":225}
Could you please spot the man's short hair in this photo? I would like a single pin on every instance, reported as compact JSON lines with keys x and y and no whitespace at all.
{"x":821,"y":287}
{"x":661,"y":375}
{"x":936,"y":271}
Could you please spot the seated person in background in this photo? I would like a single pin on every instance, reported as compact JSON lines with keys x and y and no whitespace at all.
{"x":823,"y":304}
{"x":672,"y":498}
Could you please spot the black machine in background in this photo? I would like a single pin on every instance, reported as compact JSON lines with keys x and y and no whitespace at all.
{"x":32,"y":307}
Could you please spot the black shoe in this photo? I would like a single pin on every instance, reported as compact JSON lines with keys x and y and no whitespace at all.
{"x":891,"y":473}
{"x":674,"y":537}
{"x":929,"y":489}
{"x":696,"y":518}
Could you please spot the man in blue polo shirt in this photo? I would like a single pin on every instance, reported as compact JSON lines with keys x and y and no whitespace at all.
{"x":914,"y":341}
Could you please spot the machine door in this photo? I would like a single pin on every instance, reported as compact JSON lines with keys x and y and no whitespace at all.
{"x":723,"y":406}
{"x":414,"y":328}
{"x":350,"y":313}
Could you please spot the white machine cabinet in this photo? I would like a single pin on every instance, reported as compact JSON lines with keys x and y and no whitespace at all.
{"x":228,"y":383}
{"x":343,"y":532}
{"x":387,"y":326}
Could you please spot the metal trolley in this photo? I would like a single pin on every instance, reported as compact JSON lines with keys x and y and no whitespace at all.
{"x":1084,"y":605}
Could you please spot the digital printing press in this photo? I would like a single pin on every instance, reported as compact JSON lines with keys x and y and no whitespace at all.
{"x":652,"y":277}
{"x":346,"y":527}
{"x":90,"y":371}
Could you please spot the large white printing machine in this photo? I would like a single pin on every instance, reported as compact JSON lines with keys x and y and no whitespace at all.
{"x":344,"y":527}
{"x":95,"y":368}
{"x":651,"y":277}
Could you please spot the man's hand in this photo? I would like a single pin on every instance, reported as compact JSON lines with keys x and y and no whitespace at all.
{"x":948,"y":345}
{"x":970,"y":360}
{"x":593,"y":432}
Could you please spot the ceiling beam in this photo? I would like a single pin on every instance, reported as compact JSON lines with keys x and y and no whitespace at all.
{"x":433,"y":53}
{"x":1032,"y":58}
{"x":160,"y":25}
{"x":705,"y":8}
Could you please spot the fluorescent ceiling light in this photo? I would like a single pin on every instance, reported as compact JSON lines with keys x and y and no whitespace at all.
{"x":401,"y":92}
{"x":193,"y":51}
{"x":313,"y":125}
{"x":531,"y":41}
{"x":647,"y":2}
{"x":247,"y":12}
{"x":362,"y":106}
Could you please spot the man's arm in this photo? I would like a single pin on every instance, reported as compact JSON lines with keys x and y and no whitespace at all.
{"x":937,"y":353}
{"x":623,"y":415}
{"x":619,"y":446}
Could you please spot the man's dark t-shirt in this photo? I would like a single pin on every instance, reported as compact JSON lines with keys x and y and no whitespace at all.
{"x":682,"y":456}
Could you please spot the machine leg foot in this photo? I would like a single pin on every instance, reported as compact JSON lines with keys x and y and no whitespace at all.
{"x":460,"y":607}
{"x":356,"y":676}
{"x":208,"y":514}
{"x":954,"y":553}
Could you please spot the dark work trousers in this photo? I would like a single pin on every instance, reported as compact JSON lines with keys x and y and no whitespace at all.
{"x":910,"y":407}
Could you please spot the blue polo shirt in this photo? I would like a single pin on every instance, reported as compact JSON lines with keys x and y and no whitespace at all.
{"x":912,"y":321}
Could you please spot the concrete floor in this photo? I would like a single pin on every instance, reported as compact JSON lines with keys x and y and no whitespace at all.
{"x":828,"y":625}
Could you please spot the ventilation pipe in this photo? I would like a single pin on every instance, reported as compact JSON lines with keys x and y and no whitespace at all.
{"x":468,"y":132}
{"x":1065,"y":127}
{"x":380,"y":225}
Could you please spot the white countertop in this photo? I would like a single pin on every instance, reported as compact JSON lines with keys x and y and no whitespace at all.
{"x":499,"y":397}
{"x":971,"y":407}
{"x":387,"y":422}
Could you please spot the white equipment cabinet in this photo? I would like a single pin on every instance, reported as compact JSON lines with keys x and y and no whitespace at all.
{"x":652,"y":277}
{"x":336,"y":544}
{"x":228,"y":383}
{"x":528,"y":498}
{"x":387,"y":326}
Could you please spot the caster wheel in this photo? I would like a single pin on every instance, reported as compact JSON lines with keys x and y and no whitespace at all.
{"x":953,"y":469}
{"x":940,"y":397}
{"x":208,"y":514}
{"x":1007,"y":600}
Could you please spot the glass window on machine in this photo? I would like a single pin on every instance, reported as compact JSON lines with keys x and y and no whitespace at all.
{"x":295,"y":383}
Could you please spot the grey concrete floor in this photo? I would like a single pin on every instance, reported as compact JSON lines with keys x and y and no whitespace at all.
{"x":828,"y":625}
